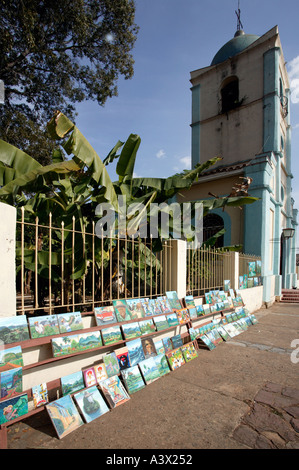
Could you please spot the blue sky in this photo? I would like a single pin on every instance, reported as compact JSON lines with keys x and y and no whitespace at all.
{"x":175,"y":38}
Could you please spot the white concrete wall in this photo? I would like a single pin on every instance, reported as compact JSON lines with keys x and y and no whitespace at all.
{"x":7,"y":257}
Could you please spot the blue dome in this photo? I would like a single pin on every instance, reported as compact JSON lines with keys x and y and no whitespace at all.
{"x":236,"y":45}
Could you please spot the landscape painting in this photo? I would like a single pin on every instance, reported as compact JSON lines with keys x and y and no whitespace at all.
{"x":43,"y":326}
{"x":135,"y":351}
{"x":147,"y":326}
{"x":14,"y":329}
{"x":91,"y":403}
{"x":105,"y":315}
{"x":159,"y":347}
{"x":133,"y":379}
{"x":64,"y":416}
{"x":71,"y":321}
{"x":149,"y":370}
{"x":173,"y":300}
{"x":114,"y":391}
{"x":11,"y":383}
{"x":176,"y":341}
{"x":161,"y":322}
{"x":172,"y":319}
{"x":162,"y":364}
{"x":73,"y":344}
{"x":40,"y":395}
{"x":72,"y":383}
{"x":11,"y":358}
{"x":13,"y":408}
{"x":251,"y":268}
{"x":136,"y":309}
{"x":167,"y":344}
{"x":111,"y":335}
{"x":131,"y":330}
{"x":111,"y":364}
{"x":189,"y":301}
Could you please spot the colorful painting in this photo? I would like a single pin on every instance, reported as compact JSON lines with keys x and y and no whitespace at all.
{"x":208,"y":297}
{"x":149,"y":370}
{"x":71,"y":321}
{"x":14,"y":329}
{"x":162,"y":364}
{"x":91,"y":403}
{"x":183,"y":316}
{"x":40,"y":395}
{"x":111,"y":364}
{"x":223,"y":333}
{"x":199,"y":310}
{"x":123,"y":358}
{"x":173,"y":300}
{"x":136,"y":309}
{"x":175,"y":358}
{"x":114,"y":391}
{"x":147,"y":326}
{"x":155,"y":307}
{"x":131,"y":330}
{"x":167,"y":343}
{"x":189,"y":301}
{"x":111,"y":335}
{"x":13,"y":408}
{"x":164,"y":304}
{"x":101,"y":373}
{"x":89,"y":377}
{"x":258,"y":266}
{"x":161,"y":322}
{"x":105,"y":315}
{"x":146,"y":307}
{"x":63,"y":346}
{"x":176,"y":341}
{"x":133,"y":379}
{"x":226,"y":285}
{"x":11,"y":383}
{"x":64,"y":416}
{"x":251,"y":268}
{"x":148,"y":347}
{"x":72,"y":383}
{"x":172,"y":320}
{"x":207,"y":342}
{"x":43,"y":326}
{"x":192,"y":313}
{"x":135,"y":351}
{"x":121,"y":310}
{"x":189,"y":352}
{"x":194,"y":333}
{"x":159,"y":346}
{"x":11,"y":358}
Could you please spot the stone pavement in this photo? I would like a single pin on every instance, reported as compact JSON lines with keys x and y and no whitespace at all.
{"x":242,"y":395}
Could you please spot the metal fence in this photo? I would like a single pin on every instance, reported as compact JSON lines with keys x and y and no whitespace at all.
{"x":246,"y":262}
{"x":65,"y":269}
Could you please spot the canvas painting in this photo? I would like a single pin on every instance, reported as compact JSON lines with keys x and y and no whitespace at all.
{"x":159,"y":346}
{"x":114,"y":391}
{"x":251,"y":269}
{"x":63,"y":346}
{"x":206,"y":309}
{"x":148,"y":347}
{"x":147,"y":326}
{"x":253,"y":319}
{"x":43,"y":326}
{"x":207,"y":342}
{"x":101,"y":373}
{"x":162,"y":364}
{"x":189,"y":301}
{"x":89,"y":377}
{"x":192,"y":313}
{"x":161,"y":322}
{"x":164,"y":304}
{"x":133,"y":379}
{"x":258,"y":267}
{"x":13,"y":408}
{"x":72,"y":383}
{"x":91,"y":403}
{"x":176,"y":341}
{"x":149,"y":370}
{"x":250,"y":282}
{"x":136,"y":309}
{"x":189,"y":352}
{"x":135,"y":351}
{"x":146,"y":307}
{"x":40,"y":395}
{"x":121,"y":310}
{"x":173,"y":300}
{"x":11,"y":383}
{"x":64,"y":416}
{"x":131,"y":330}
{"x":90,"y":340}
{"x":11,"y":358}
{"x":175,"y":359}
{"x":14,"y":329}
{"x":167,"y":343}
{"x":105,"y":315}
{"x":223,"y":333}
{"x":199,"y":310}
{"x":71,"y":321}
{"x":194,"y":333}
{"x":208,"y":297}
{"x":226,"y":285}
{"x":155,"y":307}
{"x":172,"y":319}
{"x":123,"y":358}
{"x":183,"y":315}
{"x":111,"y":364}
{"x":111,"y":335}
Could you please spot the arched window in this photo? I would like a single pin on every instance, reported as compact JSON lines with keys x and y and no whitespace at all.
{"x":230,"y":94}
{"x":212,"y":224}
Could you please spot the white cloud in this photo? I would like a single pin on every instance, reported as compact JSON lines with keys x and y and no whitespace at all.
{"x":161,"y":154}
{"x":186,"y":161}
{"x":294,"y":79}
{"x":296,"y":126}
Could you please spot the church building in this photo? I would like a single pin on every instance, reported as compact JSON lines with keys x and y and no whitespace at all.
{"x":241,"y":112}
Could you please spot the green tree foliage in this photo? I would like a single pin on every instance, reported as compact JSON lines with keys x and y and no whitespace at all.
{"x":55,"y":54}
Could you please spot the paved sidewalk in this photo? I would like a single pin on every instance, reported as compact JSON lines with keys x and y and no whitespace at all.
{"x":242,"y":395}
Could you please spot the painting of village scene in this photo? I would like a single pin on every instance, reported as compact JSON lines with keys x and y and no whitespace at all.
{"x":43,"y":326}
{"x":133,"y":379}
{"x":114,"y":391}
{"x":14,"y":329}
{"x":71,"y":321}
{"x":147,"y":326}
{"x":73,"y":344}
{"x":189,"y":352}
{"x":10,"y":383}
{"x":105,"y":315}
{"x":72,"y":383}
{"x":11,"y":358}
{"x":111,"y":335}
{"x":13,"y":408}
{"x":131,"y":330}
{"x":149,"y":370}
{"x":91,"y":403}
{"x":64,"y":416}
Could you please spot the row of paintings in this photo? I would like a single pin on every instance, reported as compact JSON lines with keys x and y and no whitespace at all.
{"x":246,"y":282}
